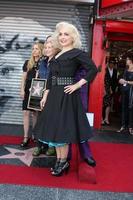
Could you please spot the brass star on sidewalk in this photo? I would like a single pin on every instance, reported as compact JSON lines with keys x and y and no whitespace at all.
{"x":24,"y":155}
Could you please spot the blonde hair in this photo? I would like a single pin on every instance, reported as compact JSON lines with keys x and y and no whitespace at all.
{"x":72,"y":30}
{"x":53,"y":43}
{"x":31,"y":61}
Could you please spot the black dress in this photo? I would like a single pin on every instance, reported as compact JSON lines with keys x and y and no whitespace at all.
{"x":30,"y":74}
{"x":127,"y":101}
{"x":110,"y":83}
{"x":63,"y":119}
{"x":107,"y":99}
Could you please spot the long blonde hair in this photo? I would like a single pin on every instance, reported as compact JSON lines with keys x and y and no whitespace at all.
{"x":31,"y":62}
{"x":72,"y":30}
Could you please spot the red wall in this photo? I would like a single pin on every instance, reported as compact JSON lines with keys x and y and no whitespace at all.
{"x":96,"y":88}
{"x":119,"y":26}
{"x":108,"y":3}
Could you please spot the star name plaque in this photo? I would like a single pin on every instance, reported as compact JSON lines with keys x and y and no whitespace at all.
{"x":37,"y":89}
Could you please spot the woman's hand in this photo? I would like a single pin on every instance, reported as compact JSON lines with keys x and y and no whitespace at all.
{"x":22,"y":93}
{"x":42,"y":103}
{"x":122,"y":81}
{"x":71,"y":88}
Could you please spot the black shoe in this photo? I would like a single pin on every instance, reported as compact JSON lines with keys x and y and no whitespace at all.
{"x":25,"y":142}
{"x":106,"y":123}
{"x":33,"y":138}
{"x":102,"y":124}
{"x":55,"y":166}
{"x":90,"y":161}
{"x":62,"y":168}
{"x":121,"y":130}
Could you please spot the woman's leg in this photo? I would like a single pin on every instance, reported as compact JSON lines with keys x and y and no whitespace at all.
{"x":107,"y":112}
{"x":64,"y":152}
{"x":58,"y":152}
{"x":62,"y":165}
{"x":58,"y":155}
{"x":26,"y":121}
{"x":125,"y":111}
{"x":34,"y":118}
{"x":26,"y":124}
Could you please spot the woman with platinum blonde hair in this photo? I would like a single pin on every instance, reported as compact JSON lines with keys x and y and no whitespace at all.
{"x":72,"y":30}
{"x":63,"y":119}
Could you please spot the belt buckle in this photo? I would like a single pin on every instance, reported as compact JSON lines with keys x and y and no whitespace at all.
{"x":54,"y":80}
{"x":54,"y":77}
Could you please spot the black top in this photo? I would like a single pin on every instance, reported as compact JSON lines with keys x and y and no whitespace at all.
{"x":128,"y":75}
{"x":67,"y":64}
{"x":113,"y":81}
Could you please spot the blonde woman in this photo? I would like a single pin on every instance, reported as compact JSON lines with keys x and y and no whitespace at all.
{"x":63,"y":113}
{"x":49,"y":52}
{"x":29,"y":72}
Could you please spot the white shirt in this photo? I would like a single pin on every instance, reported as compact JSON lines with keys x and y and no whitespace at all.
{"x":110,"y":72}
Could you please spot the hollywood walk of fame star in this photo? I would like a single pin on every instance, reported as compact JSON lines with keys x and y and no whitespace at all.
{"x":24,"y":155}
{"x":37,"y":89}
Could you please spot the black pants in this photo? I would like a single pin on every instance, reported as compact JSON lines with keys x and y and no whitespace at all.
{"x":130,"y":117}
{"x":125,"y":110}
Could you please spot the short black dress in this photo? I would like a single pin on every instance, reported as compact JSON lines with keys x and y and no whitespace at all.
{"x":63,"y":119}
{"x":107,"y":99}
{"x":30,"y":74}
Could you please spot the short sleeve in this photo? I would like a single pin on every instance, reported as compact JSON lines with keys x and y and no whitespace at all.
{"x":88,"y":65}
{"x":25,"y":66}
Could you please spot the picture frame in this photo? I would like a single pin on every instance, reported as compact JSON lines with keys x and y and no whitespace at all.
{"x":38,"y":86}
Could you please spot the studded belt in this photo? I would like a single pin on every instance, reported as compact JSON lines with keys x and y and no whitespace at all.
{"x":62,"y":80}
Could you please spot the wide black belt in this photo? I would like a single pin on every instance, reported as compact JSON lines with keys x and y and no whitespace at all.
{"x":67,"y":80}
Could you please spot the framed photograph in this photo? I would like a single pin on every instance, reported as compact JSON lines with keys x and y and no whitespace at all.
{"x":38,"y":86}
